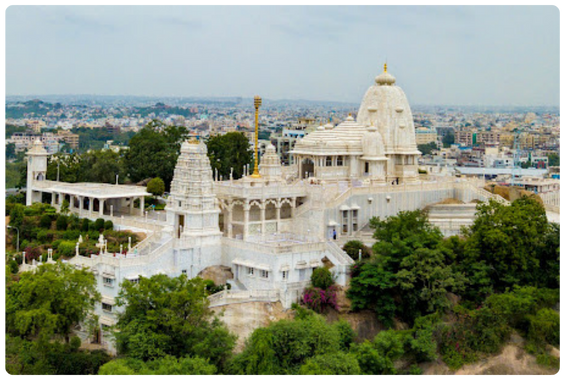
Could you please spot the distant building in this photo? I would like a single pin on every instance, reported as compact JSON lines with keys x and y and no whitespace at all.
{"x":71,"y":139}
{"x":425,"y":135}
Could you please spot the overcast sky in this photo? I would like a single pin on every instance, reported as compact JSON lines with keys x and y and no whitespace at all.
{"x":439,"y":55}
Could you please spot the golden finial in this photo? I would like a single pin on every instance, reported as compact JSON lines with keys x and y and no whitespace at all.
{"x":385,"y":67}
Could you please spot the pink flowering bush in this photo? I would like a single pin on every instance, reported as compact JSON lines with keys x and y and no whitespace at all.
{"x":319,"y":300}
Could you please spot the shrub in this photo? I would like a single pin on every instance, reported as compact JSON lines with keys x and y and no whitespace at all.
{"x":108,"y":225}
{"x":13,"y":265}
{"x":319,"y":300}
{"x":74,"y":222}
{"x":43,"y":236}
{"x":544,"y":327}
{"x":85,"y":225}
{"x":45,"y":221}
{"x":7,"y":209}
{"x":346,"y":333}
{"x":352,"y":248}
{"x":322,"y":278}
{"x":71,"y":234}
{"x":98,"y":225}
{"x":156,"y":186}
{"x":66,"y":248}
{"x":32,"y":253}
{"x":62,"y":222}
{"x":338,"y":363}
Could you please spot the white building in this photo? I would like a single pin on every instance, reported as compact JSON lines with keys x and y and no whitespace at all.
{"x":271,"y":230}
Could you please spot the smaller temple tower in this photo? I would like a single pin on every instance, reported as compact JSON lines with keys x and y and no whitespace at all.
{"x":36,"y":170}
{"x":192,"y":207}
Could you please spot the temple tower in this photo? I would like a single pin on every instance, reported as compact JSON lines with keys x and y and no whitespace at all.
{"x":36,"y":170}
{"x":192,"y":207}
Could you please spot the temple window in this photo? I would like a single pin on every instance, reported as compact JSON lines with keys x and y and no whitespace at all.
{"x":328,"y":161}
{"x":285,"y":275}
{"x":366,"y":168}
{"x":345,"y":222}
{"x":339,"y":161}
{"x":264,"y":273}
{"x":250,"y":271}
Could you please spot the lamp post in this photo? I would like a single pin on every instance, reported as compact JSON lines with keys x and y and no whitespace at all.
{"x":18,"y":238}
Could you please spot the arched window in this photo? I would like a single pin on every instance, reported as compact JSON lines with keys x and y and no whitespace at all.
{"x":329,"y":161}
{"x":339,"y":161}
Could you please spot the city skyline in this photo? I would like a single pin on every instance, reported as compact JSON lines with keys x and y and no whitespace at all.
{"x":477,"y":56}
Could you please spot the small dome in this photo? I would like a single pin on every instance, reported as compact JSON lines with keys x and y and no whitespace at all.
{"x":385,"y":79}
{"x":271,"y":149}
{"x":349,"y":118}
{"x":320,"y":128}
{"x":329,"y":126}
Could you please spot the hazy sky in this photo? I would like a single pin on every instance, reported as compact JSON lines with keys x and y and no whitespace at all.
{"x":439,"y":55}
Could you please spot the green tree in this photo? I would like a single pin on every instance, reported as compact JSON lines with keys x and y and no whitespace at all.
{"x":553,"y":159}
{"x":68,"y":166}
{"x":284,"y":346}
{"x":62,"y":223}
{"x":427,"y":148}
{"x":170,"y":316}
{"x":353,"y":247}
{"x":228,"y":151}
{"x":153,"y":152}
{"x":322,"y":278}
{"x":448,"y":139}
{"x":156,"y":186}
{"x":50,"y":301}
{"x":337,"y":363}
{"x":371,"y":288}
{"x":377,"y":357}
{"x":10,"y":151}
{"x":510,"y":240}
{"x":167,"y":365}
{"x":426,"y":275}
{"x":102,"y":166}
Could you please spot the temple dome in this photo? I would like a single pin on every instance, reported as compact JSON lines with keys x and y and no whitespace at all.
{"x":385,"y":79}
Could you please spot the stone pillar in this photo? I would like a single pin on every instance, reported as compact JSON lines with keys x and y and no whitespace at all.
{"x":80,"y":204}
{"x":230,"y":221}
{"x":132,"y":200}
{"x":263,"y":206}
{"x":101,"y":205}
{"x":71,"y":202}
{"x":90,"y":205}
{"x":278,"y":211}
{"x":245,"y":220}
{"x":141,"y":205}
{"x":292,"y":207}
{"x":53,"y":195}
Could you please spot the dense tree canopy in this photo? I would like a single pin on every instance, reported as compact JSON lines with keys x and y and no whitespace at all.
{"x":170,"y":316}
{"x":448,"y":139}
{"x":284,"y":346}
{"x":50,"y":301}
{"x":427,"y":148}
{"x":93,"y":166}
{"x":167,"y":365}
{"x":516,"y":243}
{"x":153,"y":152}
{"x":230,"y":151}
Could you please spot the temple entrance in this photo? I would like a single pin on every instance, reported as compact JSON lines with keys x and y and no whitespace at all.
{"x":307,"y":168}
{"x":180,"y":226}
